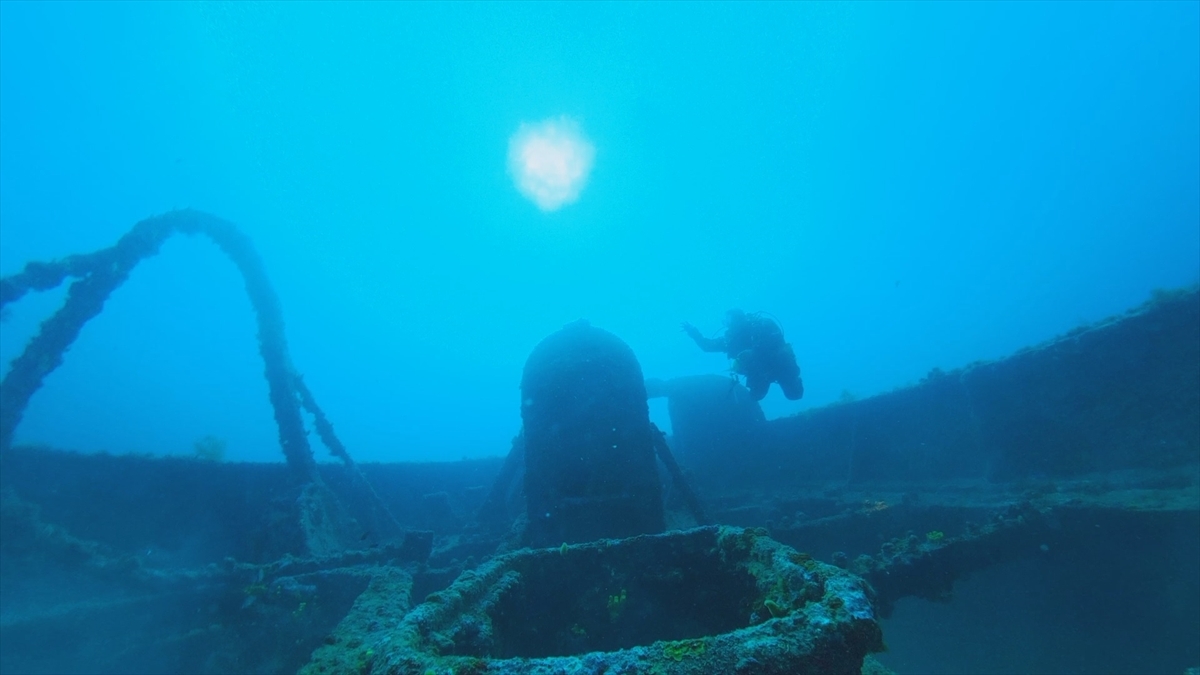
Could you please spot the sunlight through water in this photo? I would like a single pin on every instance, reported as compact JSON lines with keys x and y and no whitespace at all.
{"x":550,"y":161}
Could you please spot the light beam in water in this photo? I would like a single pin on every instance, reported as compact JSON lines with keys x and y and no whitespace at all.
{"x":550,"y":161}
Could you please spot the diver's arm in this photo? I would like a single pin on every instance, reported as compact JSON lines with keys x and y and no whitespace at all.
{"x":705,"y":343}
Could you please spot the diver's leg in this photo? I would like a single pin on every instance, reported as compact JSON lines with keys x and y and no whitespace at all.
{"x":787,"y":373}
{"x":792,"y":388}
{"x":758,"y":386}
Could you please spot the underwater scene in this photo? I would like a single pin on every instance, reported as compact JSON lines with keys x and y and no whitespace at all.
{"x":579,"y":338}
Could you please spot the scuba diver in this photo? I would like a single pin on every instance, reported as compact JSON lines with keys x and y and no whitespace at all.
{"x":756,"y":345}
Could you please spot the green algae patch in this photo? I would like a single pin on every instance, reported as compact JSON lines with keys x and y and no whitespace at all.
{"x":682,"y":649}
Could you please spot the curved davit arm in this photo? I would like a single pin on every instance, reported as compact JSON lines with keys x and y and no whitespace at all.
{"x":326,"y":526}
{"x":98,"y":274}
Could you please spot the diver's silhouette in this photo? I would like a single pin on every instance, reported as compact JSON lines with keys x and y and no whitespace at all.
{"x":759,"y":352}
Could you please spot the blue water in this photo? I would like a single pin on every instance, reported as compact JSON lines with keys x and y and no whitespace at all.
{"x":903,"y":186}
